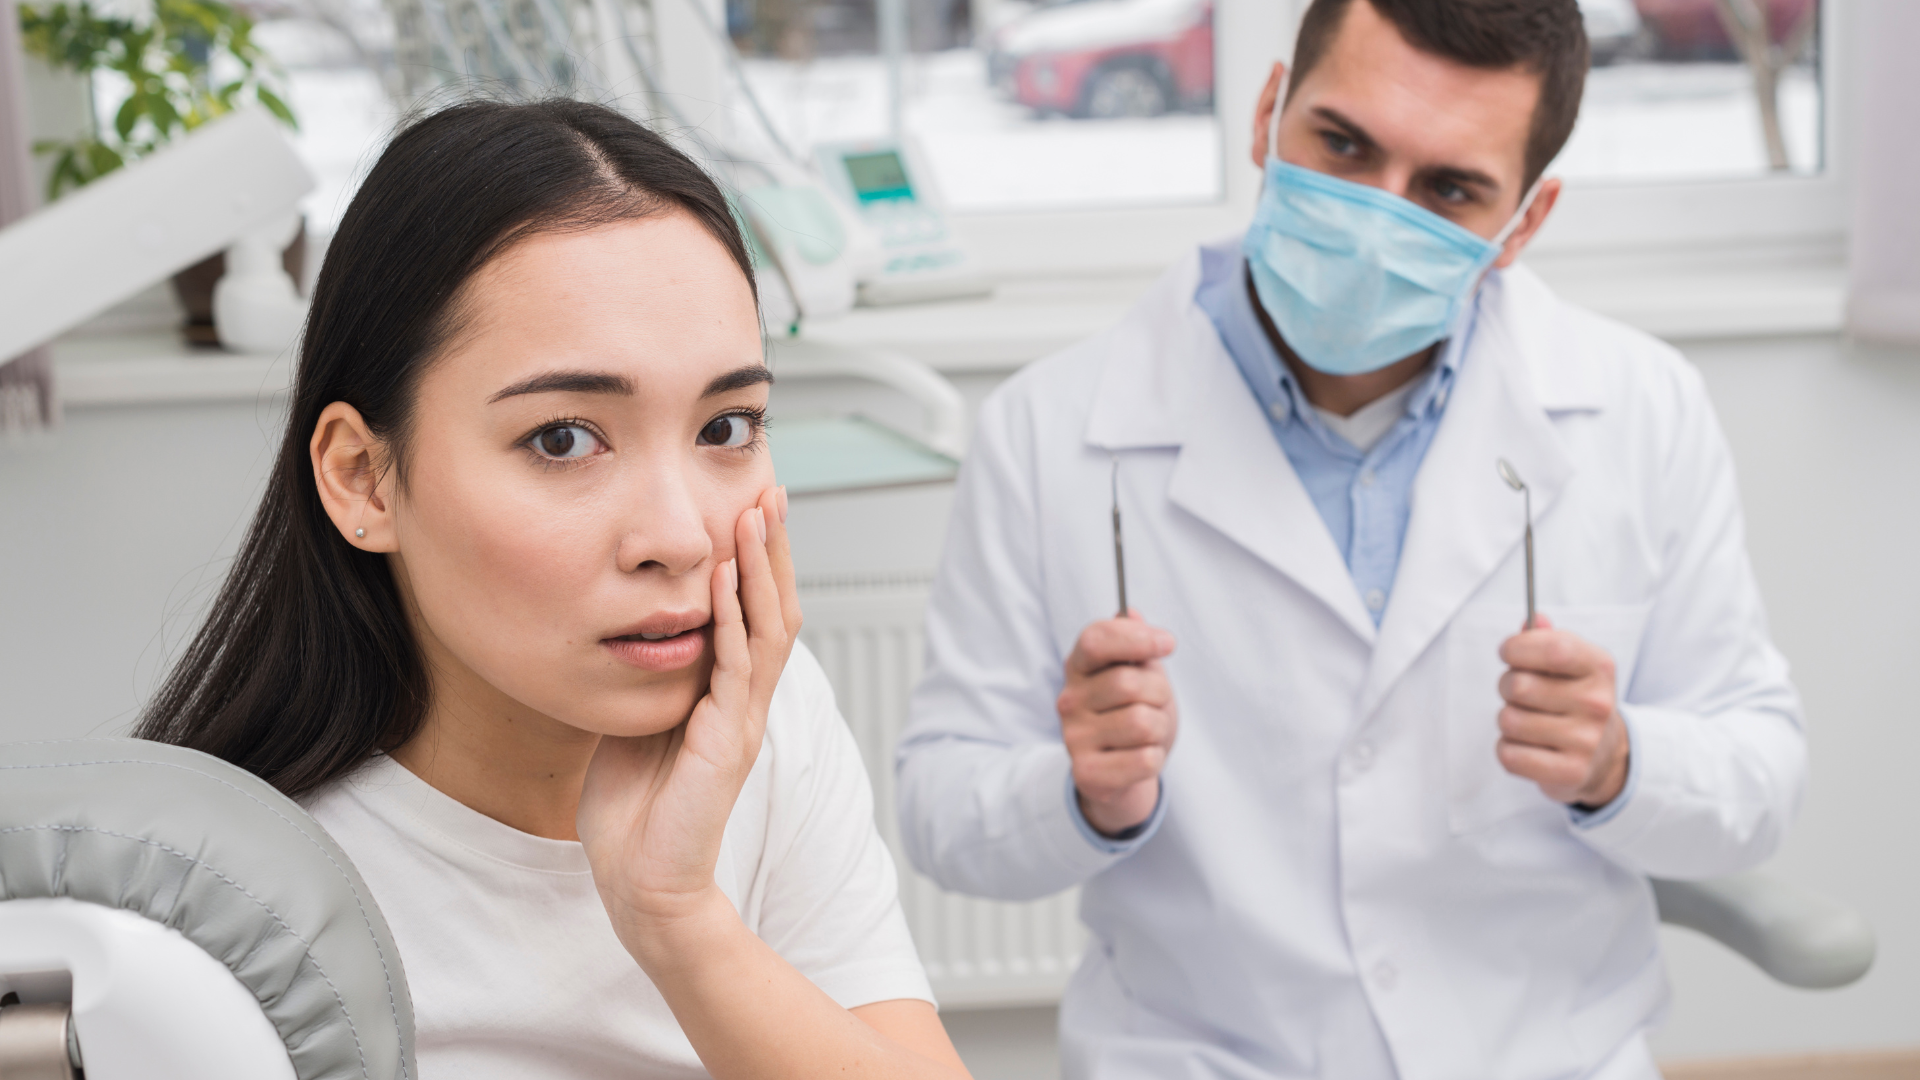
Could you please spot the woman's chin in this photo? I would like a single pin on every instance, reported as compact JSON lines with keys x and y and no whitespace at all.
{"x":661,"y":705}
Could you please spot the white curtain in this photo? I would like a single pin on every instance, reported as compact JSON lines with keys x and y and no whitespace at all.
{"x":27,"y":399}
{"x":1883,"y":301}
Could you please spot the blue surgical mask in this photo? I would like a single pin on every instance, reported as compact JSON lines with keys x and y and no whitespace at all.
{"x":1356,"y":277}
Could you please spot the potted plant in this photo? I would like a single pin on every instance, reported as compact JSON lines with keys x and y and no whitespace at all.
{"x":184,"y":62}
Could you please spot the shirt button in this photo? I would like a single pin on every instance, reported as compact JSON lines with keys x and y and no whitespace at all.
{"x":1277,"y":410}
{"x":1376,"y":600}
{"x":1362,"y":755}
{"x":1385,"y":977}
{"x":1366,"y":478}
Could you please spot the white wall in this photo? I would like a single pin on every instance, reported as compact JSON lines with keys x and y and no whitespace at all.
{"x":114,"y":529}
{"x":1827,"y":438}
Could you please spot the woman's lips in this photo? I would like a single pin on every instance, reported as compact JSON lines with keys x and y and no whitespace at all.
{"x":665,"y":654}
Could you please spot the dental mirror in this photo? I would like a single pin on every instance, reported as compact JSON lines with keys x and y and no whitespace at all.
{"x":1513,"y":480}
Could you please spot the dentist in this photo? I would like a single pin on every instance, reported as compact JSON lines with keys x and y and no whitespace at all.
{"x":1333,"y":811}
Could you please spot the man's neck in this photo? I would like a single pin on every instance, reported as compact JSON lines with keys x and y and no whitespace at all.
{"x":1341,"y":395}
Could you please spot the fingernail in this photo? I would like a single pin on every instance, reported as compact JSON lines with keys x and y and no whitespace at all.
{"x":760,"y":523}
{"x":1164,"y":640}
{"x":733,"y":573}
{"x":783,"y":504}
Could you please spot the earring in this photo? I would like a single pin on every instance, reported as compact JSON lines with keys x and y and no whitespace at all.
{"x":361,"y":533}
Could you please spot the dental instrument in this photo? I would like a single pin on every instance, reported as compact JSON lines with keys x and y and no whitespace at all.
{"x":1513,"y":481}
{"x":1119,"y":552}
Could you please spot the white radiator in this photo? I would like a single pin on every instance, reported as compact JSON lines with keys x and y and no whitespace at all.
{"x":868,"y":634}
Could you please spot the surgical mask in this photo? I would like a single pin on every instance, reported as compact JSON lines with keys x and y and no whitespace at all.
{"x":1356,"y":277}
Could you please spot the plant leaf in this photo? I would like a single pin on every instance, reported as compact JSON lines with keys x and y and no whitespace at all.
{"x":129,"y":115}
{"x":279,"y":108}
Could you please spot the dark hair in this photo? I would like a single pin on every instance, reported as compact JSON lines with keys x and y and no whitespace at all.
{"x":305,"y":665}
{"x":1546,"y":37}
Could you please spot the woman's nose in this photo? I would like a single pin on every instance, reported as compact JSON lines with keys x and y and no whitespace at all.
{"x":664,"y":527}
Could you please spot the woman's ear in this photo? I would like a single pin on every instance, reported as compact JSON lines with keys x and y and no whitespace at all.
{"x":349,"y":470}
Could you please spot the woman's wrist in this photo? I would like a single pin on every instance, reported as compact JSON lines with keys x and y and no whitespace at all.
{"x":667,"y":938}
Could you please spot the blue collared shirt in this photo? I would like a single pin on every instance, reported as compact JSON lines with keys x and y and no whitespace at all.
{"x":1365,"y":497}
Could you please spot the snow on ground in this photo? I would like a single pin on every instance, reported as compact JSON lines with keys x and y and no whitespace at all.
{"x":1686,"y":122}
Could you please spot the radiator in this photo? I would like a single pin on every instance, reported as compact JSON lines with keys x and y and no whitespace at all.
{"x":868,"y":634}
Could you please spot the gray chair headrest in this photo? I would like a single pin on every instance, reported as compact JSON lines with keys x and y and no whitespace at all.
{"x":193,"y":843}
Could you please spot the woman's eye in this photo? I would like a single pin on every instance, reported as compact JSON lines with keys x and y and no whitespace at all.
{"x":564,"y":442}
{"x":730,"y":430}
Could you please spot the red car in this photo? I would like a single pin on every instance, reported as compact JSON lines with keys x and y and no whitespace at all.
{"x":1691,"y":29}
{"x":1108,"y":58}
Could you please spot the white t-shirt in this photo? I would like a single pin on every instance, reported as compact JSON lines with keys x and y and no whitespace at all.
{"x":511,"y":960}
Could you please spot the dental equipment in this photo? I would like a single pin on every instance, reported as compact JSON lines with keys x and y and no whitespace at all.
{"x":1119,"y":552}
{"x":1513,"y":481}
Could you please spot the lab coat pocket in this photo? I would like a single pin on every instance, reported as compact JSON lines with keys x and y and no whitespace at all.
{"x":1480,"y":792}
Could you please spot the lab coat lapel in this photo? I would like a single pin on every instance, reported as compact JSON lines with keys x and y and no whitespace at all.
{"x":1167,"y":381}
{"x":1233,"y":475}
{"x":1466,"y":520}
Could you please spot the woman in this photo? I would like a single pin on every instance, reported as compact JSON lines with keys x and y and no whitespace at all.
{"x":514,"y":621}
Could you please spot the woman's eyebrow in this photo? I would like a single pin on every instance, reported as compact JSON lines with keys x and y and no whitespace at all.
{"x":568,"y":382}
{"x":739,"y":379}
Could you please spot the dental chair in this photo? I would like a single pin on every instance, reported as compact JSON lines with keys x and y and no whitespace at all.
{"x":167,"y":916}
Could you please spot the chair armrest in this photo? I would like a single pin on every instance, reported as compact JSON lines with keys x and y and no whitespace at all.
{"x":1797,"y":936}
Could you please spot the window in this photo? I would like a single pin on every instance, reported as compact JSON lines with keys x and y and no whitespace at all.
{"x":1010,"y":104}
{"x":1680,"y":92}
{"x":333,"y":61}
{"x":1074,"y":136}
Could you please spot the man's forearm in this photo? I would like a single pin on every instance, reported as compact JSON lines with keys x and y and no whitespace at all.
{"x":1713,"y":795}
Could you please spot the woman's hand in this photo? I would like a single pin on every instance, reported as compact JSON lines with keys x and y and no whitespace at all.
{"x":652,"y":815}
{"x":654,"y":807}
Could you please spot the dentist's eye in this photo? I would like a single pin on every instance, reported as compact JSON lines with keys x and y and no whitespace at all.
{"x":1337,"y":144}
{"x":565,"y":442}
{"x":732,"y":429}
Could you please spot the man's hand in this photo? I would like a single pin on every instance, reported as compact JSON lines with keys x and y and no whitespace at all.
{"x":1561,"y":727}
{"x":1118,"y":719}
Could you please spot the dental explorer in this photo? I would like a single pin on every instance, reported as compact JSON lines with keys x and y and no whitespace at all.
{"x":1513,"y":481}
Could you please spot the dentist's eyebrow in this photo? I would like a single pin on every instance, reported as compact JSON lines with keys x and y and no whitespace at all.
{"x":568,"y":382}
{"x":1352,"y":130}
{"x":738,"y":379}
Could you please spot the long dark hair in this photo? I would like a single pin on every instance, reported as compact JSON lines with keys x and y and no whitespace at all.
{"x":305,"y":666}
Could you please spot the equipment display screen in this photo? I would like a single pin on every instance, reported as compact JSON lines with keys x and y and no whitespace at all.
{"x":878,"y":176}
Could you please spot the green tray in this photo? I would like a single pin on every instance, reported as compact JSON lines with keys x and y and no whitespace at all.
{"x":850,"y":453}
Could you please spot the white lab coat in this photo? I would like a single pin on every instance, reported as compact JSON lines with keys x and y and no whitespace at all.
{"x":1345,"y":883}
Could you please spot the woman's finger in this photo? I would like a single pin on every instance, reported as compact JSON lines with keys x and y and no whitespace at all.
{"x":780,"y":554}
{"x":732,"y":658}
{"x":760,"y":597}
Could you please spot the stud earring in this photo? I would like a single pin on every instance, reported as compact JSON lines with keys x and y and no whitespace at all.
{"x":361,"y":533}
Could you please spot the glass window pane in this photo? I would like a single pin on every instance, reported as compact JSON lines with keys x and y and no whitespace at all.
{"x":1699,"y":90}
{"x":1007,"y":104}
{"x":329,"y":57}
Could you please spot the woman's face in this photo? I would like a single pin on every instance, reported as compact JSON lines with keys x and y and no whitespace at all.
{"x":578,"y":458}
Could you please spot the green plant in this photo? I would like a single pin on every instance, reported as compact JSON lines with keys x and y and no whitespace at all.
{"x":169,"y":62}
